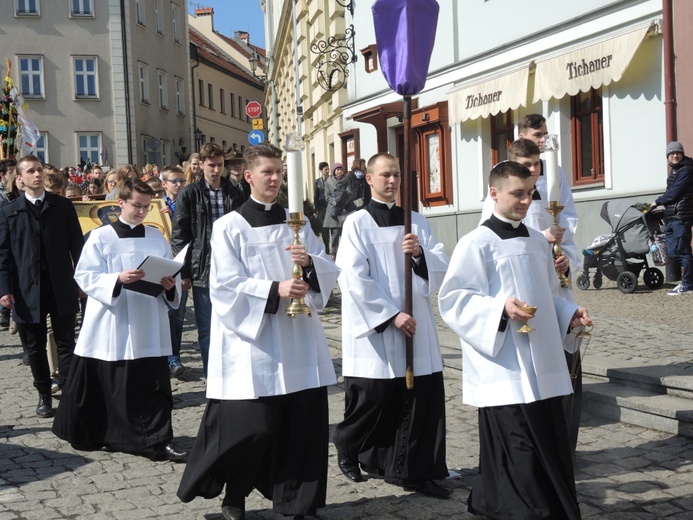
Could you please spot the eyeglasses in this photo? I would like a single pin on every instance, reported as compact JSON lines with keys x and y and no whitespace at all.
{"x":112,"y":182}
{"x":176,"y":181}
{"x":140,"y":209}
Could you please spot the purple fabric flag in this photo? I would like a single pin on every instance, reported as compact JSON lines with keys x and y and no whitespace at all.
{"x":405,"y":31}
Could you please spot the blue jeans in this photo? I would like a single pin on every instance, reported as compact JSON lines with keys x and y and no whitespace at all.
{"x":175,"y":320}
{"x":678,"y":240}
{"x":203,"y":317}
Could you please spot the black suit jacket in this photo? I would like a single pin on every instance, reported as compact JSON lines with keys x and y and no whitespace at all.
{"x":20,"y":255}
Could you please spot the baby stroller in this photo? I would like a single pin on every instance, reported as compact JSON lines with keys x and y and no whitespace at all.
{"x":621,"y":255}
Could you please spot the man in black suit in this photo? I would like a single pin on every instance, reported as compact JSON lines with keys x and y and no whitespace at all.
{"x":40,"y":244}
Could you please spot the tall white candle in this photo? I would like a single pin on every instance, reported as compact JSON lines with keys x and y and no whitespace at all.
{"x":552,"y":175}
{"x":294,"y":179}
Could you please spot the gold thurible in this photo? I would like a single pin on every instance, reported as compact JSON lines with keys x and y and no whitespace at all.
{"x":297,"y":305}
{"x":554,"y":209}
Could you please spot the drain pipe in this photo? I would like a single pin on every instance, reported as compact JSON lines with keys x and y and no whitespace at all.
{"x":669,"y":70}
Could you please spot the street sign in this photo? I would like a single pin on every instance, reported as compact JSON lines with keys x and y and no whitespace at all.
{"x":258,"y":124}
{"x":253,"y":109}
{"x":256,"y":137}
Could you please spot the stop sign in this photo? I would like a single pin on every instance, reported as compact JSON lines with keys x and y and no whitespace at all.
{"x":253,"y":109}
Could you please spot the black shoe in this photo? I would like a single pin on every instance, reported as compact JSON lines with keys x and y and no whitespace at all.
{"x":45,"y":406}
{"x":169,"y":452}
{"x":350,"y":468}
{"x":233,"y":509}
{"x":232,"y":513}
{"x":427,"y":487}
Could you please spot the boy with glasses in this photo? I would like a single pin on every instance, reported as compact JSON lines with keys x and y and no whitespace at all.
{"x":119,"y":392}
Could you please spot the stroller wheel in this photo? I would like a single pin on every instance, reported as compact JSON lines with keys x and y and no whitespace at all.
{"x":583,"y":282}
{"x":653,"y":278}
{"x":627,"y":282}
{"x":597,"y":281}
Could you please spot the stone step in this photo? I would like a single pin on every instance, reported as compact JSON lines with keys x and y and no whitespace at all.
{"x":636,"y":405}
{"x":672,"y":379}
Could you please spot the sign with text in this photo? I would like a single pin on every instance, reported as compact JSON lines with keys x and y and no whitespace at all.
{"x":253,"y":109}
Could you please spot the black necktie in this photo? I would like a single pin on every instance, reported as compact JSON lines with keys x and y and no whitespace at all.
{"x":38,"y":203}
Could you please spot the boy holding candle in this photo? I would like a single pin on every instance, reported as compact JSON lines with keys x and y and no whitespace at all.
{"x":517,"y":380}
{"x":266,"y":423}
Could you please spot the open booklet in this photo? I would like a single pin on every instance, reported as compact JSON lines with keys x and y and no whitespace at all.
{"x":155,"y":268}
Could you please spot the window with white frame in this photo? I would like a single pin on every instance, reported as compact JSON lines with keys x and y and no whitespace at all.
{"x":139,"y":10}
{"x":86,"y":77}
{"x":159,"y":16}
{"x":144,"y":82}
{"x":175,"y":17}
{"x":163,"y":90}
{"x":222,"y":101}
{"x":89,"y":146}
{"x":41,"y":149}
{"x":210,"y":95}
{"x":180,"y":96}
{"x":165,"y":153}
{"x":26,"y":7}
{"x":81,"y":8}
{"x":31,"y":76}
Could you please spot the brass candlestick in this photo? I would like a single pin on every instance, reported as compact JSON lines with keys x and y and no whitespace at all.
{"x":554,"y":209}
{"x":297,"y":305}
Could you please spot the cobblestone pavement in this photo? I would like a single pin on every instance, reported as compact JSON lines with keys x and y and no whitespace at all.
{"x":622,"y":471}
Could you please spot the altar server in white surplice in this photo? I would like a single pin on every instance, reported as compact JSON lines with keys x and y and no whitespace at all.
{"x":266,"y":423}
{"x":118,"y":393}
{"x":526,"y":151}
{"x":516,"y":379}
{"x":389,"y":430}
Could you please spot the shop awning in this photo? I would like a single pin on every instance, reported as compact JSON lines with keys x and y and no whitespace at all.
{"x":499,"y":94}
{"x":586,"y":68}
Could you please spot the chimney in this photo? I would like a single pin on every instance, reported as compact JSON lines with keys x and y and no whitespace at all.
{"x":204,"y":11}
{"x":243,"y":36}
{"x":205,"y":14}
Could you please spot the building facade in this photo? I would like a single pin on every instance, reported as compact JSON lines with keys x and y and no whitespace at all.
{"x":105,"y":81}
{"x":303,"y":90}
{"x":598,"y":70}
{"x":223,"y":83}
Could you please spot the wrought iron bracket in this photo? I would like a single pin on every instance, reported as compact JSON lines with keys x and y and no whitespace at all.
{"x":335,"y":55}
{"x":348,"y":4}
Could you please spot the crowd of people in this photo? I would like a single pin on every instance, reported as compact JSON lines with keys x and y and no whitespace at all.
{"x":267,"y":371}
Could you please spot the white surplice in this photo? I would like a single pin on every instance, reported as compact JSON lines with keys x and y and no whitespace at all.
{"x":252,"y":353}
{"x":130,"y":325}
{"x":506,"y":367}
{"x":538,"y":218}
{"x":372,"y":286}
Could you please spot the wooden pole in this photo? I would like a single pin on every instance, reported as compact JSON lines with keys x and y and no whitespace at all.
{"x":406,"y":196}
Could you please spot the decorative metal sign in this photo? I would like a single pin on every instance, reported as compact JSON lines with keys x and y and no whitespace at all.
{"x":336,"y":54}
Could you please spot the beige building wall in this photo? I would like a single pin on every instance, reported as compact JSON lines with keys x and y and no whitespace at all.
{"x":57,"y":37}
{"x":321,"y":122}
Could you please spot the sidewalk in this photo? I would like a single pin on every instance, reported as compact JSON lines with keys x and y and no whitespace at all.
{"x":622,"y":471}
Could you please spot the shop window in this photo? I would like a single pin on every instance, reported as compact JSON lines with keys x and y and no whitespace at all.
{"x":587,"y":137}
{"x":433,"y":159}
{"x":502,"y":136}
